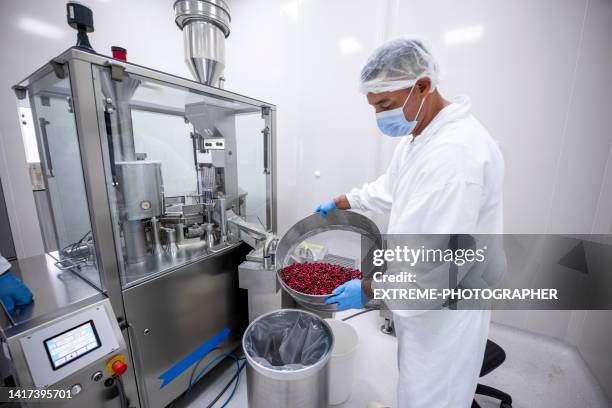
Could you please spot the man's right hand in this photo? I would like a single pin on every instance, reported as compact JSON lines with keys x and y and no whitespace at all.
{"x":349,"y":295}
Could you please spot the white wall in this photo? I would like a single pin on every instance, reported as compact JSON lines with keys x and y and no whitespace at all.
{"x":539,"y":89}
{"x":538,"y":76}
{"x":262,"y":61}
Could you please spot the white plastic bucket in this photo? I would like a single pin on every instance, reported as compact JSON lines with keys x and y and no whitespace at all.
{"x":341,"y":365}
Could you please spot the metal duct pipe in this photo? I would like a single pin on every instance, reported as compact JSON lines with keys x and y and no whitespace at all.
{"x":205,"y":25}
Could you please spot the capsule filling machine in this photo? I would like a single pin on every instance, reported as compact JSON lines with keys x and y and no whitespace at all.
{"x":149,"y":185}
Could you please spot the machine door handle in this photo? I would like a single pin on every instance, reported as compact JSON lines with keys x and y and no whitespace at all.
{"x":266,"y":116}
{"x":267,"y":151}
{"x":111,"y":147}
{"x":43,"y":130}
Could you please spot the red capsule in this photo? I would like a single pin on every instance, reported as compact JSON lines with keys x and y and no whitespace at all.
{"x":317,"y":278}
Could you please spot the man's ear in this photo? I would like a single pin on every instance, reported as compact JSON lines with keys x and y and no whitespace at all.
{"x":424,"y":85}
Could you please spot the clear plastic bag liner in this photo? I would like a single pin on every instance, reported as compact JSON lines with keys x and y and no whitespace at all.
{"x":288,"y":340}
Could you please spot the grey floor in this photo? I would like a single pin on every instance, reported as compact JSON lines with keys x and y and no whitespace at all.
{"x":539,"y":372}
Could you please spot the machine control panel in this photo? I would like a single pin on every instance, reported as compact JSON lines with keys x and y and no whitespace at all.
{"x":64,"y":346}
{"x":72,"y":344}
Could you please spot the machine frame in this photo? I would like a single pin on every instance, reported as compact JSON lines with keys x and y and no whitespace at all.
{"x":89,"y":133}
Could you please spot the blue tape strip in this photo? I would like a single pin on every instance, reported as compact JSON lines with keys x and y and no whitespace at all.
{"x":192,"y":358}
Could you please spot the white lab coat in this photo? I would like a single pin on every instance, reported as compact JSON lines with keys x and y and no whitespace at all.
{"x":5,"y":265}
{"x":448,"y":180}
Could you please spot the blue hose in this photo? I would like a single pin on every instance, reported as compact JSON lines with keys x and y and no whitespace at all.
{"x":235,"y":384}
{"x":213,"y":361}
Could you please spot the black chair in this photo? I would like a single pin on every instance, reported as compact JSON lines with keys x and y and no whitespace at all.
{"x":494,"y":356}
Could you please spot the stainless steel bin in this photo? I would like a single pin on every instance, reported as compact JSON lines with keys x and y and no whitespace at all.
{"x":288,"y":353}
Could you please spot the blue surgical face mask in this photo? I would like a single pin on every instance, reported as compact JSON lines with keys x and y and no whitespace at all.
{"x":394,"y":123}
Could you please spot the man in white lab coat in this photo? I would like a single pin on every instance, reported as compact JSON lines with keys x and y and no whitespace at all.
{"x":445,"y":177}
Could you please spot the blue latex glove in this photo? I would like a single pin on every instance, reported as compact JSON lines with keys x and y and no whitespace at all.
{"x":13,"y":291}
{"x":349,"y":296}
{"x":326,"y":207}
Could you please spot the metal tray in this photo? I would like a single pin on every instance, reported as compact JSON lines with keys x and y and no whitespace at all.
{"x":316,"y":224}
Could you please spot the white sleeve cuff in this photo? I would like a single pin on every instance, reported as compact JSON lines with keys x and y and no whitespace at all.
{"x":354,"y":200}
{"x":4,"y":265}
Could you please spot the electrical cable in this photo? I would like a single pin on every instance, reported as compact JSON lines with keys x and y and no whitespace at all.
{"x":193,"y":371}
{"x":210,"y":363}
{"x":235,"y":384}
{"x":237,"y":375}
{"x":357,"y":314}
{"x":206,"y":367}
{"x":202,"y":372}
{"x":195,"y":367}
{"x":121,"y":390}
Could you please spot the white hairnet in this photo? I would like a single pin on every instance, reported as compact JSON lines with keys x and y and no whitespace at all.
{"x":397,"y":64}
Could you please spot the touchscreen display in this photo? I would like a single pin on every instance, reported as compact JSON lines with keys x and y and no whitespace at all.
{"x":72,"y":344}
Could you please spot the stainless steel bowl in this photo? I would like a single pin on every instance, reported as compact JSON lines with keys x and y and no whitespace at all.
{"x":316,"y":224}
